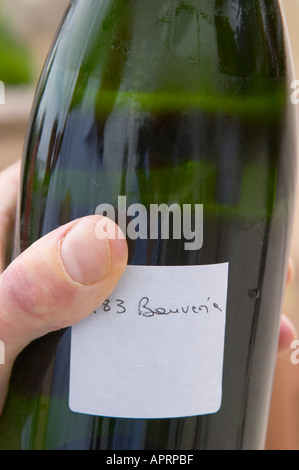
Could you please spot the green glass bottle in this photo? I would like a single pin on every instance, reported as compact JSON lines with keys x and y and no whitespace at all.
{"x":183,"y":103}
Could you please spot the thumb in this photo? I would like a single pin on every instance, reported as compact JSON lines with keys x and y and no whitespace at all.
{"x":56,"y":282}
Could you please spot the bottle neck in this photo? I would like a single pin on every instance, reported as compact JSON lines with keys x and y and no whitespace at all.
{"x":208,"y":52}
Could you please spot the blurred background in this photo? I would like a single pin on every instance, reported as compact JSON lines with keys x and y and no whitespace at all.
{"x":27,"y":28}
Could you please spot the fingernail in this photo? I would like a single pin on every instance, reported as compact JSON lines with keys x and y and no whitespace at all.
{"x":85,"y":256}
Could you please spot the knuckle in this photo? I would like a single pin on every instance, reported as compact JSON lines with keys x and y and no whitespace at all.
{"x":31,"y":301}
{"x":18,"y":297}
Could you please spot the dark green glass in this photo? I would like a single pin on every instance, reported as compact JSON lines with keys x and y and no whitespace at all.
{"x":164,"y":101}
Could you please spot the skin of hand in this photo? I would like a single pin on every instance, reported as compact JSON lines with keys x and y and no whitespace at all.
{"x":71,"y":270}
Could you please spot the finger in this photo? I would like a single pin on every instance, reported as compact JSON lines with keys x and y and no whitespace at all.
{"x":56,"y":282}
{"x":291,"y":271}
{"x":287,"y":334}
{"x":9,"y":184}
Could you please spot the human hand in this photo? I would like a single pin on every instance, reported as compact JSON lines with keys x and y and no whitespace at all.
{"x":287,"y":333}
{"x":61,"y":272}
{"x":56,"y":282}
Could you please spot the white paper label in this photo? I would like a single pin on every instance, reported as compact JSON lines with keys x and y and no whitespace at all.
{"x":154,"y":349}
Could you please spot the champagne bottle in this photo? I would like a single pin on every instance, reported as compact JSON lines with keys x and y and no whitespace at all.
{"x":143,"y":106}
